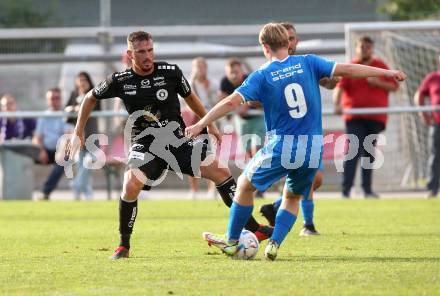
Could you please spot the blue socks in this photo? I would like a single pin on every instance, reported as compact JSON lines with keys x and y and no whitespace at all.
{"x":307,"y":208}
{"x":276,"y":204}
{"x":238,"y":216}
{"x":283,"y":223}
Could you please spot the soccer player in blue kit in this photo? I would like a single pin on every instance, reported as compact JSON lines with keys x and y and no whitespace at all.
{"x":307,"y":205}
{"x":288,"y":88}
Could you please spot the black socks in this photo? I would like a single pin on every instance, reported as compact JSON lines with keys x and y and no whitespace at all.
{"x":227,"y":190}
{"x":127,"y":217}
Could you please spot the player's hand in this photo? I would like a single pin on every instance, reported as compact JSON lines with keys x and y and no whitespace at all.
{"x":398,"y":75}
{"x":213,"y":130}
{"x":193,"y":131}
{"x":43,"y":157}
{"x":74,"y":144}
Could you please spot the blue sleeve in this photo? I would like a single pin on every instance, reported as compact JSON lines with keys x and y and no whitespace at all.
{"x":322,"y":67}
{"x":250,"y":89}
{"x":68,"y":127}
{"x":39,"y":128}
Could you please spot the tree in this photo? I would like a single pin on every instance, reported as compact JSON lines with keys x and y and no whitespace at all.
{"x":400,"y":10}
{"x":23,"y":14}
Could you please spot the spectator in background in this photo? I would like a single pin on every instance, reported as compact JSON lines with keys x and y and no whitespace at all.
{"x":250,"y":116}
{"x":430,"y":87}
{"x":206,"y":89}
{"x":82,"y":184}
{"x":250,"y":119}
{"x":47,"y":133}
{"x":362,"y":93}
{"x":14,"y":128}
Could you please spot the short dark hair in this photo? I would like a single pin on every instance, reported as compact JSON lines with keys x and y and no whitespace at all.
{"x":288,"y":26}
{"x":138,"y":36}
{"x":233,"y":62}
{"x":365,"y":39}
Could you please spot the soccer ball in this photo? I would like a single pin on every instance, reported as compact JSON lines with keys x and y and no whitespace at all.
{"x":248,"y":246}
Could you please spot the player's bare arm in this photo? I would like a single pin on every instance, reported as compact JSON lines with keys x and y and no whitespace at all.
{"x":362,"y":71}
{"x":386,"y":85}
{"x":194,"y":103}
{"x":87,"y":105}
{"x":222,"y":108}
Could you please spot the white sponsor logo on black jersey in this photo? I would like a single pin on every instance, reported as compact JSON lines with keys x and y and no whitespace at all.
{"x":123,"y":78}
{"x":166,"y":67}
{"x":145,"y":83}
{"x":137,"y":147}
{"x":101,"y":88}
{"x":185,"y":84}
{"x":122,"y":73}
{"x":160,"y":83}
{"x":131,"y":93}
{"x":162,"y":94}
{"x":129,"y":86}
{"x":158,"y":78}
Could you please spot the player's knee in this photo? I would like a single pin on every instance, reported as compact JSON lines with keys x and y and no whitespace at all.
{"x":244,"y":184}
{"x":215,"y":174}
{"x":132,"y":187}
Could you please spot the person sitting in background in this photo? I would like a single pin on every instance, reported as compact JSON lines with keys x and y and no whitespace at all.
{"x":82,"y":184}
{"x":14,"y":128}
{"x":47,"y":133}
{"x":430,"y":87}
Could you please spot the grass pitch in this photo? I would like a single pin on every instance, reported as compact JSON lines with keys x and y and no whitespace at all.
{"x":367,"y":247}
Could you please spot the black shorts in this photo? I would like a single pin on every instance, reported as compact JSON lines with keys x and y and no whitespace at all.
{"x":186,"y":158}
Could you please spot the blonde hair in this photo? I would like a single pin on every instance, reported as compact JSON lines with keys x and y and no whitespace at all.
{"x":199,"y":60}
{"x":274,"y":35}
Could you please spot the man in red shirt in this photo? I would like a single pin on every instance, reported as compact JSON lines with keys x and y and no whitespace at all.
{"x":430,"y":87}
{"x":362,"y":93}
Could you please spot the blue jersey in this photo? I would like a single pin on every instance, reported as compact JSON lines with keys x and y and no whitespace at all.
{"x":289,"y":93}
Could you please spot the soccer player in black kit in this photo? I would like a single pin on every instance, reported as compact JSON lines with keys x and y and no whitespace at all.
{"x":150,"y":91}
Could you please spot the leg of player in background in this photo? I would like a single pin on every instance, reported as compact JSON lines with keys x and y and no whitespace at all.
{"x":308,"y":207}
{"x":226,"y":187}
{"x":269,"y":211}
{"x":193,"y":186}
{"x":128,"y":209}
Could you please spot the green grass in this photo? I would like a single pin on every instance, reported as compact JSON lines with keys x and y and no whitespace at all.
{"x":367,"y":247}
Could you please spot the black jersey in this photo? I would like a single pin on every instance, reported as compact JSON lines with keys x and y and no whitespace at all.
{"x":155,"y":94}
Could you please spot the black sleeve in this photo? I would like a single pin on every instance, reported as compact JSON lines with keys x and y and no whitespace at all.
{"x":106,"y":89}
{"x":225,"y":86}
{"x":183,"y":88}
